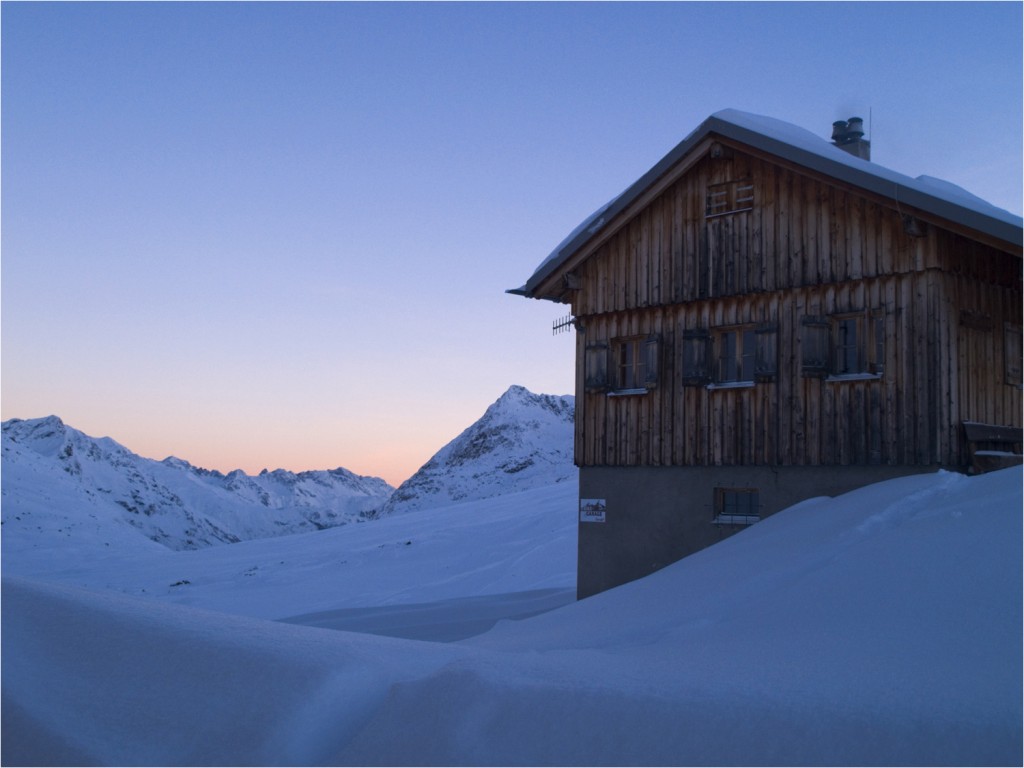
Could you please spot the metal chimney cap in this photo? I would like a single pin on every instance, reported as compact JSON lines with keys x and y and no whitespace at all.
{"x":838,"y":130}
{"x":855,"y":127}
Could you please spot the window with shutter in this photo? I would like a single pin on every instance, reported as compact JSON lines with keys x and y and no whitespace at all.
{"x":628,"y":362}
{"x":858,"y":344}
{"x":743,"y":356}
{"x":844,"y":347}
{"x":736,"y":355}
{"x":635,"y":364}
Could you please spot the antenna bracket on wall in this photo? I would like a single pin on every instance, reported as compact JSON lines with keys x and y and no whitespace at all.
{"x":562,"y":325}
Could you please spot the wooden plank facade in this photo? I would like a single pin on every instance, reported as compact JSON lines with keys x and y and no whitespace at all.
{"x":803,"y":247}
{"x":760,"y":320}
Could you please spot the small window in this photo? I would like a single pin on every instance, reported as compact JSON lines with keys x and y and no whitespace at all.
{"x":736,"y":355}
{"x":729,"y":197}
{"x":629,"y":364}
{"x":737,"y":506}
{"x":858,"y":343}
{"x":635,"y":363}
{"x":745,"y":355}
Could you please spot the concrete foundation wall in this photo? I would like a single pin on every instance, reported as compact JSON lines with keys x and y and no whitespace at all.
{"x":654,"y":516}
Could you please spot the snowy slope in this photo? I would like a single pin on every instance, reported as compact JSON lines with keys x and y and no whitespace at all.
{"x":882,"y":627}
{"x":522,"y":441}
{"x":62,"y":488}
{"x":517,"y":543}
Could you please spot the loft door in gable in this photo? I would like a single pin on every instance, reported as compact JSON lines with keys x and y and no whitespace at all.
{"x":728,"y":255}
{"x":725,"y":247}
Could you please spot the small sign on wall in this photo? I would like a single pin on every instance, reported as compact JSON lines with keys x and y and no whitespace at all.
{"x":592,"y":510}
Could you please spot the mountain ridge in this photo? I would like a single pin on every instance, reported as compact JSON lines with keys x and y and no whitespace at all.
{"x":522,"y":440}
{"x":61,"y":486}
{"x":170,"y":502}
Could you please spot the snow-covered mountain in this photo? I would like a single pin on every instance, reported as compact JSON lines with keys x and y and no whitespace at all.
{"x":60,"y":483}
{"x":61,"y":486}
{"x":522,"y":441}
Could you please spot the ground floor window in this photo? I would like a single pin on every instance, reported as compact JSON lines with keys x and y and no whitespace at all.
{"x":737,"y":506}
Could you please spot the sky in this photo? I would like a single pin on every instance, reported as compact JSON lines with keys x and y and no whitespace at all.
{"x":279,"y":235}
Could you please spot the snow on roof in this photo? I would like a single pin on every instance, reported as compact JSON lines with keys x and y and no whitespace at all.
{"x":590,"y":225}
{"x":807,"y":149}
{"x":807,"y":141}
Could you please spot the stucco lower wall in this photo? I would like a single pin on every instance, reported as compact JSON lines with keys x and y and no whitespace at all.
{"x":657,"y":515}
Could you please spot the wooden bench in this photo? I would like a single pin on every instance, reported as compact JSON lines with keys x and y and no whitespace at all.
{"x":992,"y":446}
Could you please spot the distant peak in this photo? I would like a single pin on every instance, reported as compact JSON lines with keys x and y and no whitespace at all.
{"x":30,"y":428}
{"x":522,"y":440}
{"x":518,"y":399}
{"x":174,"y":461}
{"x":45,"y":421}
{"x":517,"y":391}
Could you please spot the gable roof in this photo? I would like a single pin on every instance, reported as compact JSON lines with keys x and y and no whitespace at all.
{"x":801,"y":147}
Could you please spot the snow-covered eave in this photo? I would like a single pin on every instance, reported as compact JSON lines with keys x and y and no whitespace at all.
{"x":800,"y":147}
{"x":934,"y":196}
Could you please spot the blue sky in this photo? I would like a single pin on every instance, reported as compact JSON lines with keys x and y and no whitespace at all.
{"x":279,"y":235}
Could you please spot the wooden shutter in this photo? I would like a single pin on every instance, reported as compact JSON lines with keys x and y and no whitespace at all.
{"x":696,"y":357}
{"x":766,"y":357}
{"x":814,"y":346}
{"x":595,"y":368}
{"x":876,"y":355}
{"x":1012,"y":354}
{"x":652,"y":359}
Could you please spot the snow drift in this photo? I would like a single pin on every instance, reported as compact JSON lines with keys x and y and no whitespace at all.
{"x":880,"y":627}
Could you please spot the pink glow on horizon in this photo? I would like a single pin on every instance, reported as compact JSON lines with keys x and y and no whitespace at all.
{"x":263,"y":235}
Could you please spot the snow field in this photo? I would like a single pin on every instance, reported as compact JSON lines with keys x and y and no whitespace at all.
{"x":510,"y":544}
{"x":880,"y":627}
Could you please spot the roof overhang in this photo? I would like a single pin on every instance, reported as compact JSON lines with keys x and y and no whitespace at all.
{"x":941,"y":202}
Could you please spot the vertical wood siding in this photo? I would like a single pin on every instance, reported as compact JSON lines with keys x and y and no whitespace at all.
{"x":806,"y":248}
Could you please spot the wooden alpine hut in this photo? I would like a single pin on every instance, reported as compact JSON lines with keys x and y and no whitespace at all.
{"x":767,"y":316}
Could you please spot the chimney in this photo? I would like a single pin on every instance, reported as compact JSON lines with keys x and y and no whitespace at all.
{"x":848,"y":135}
